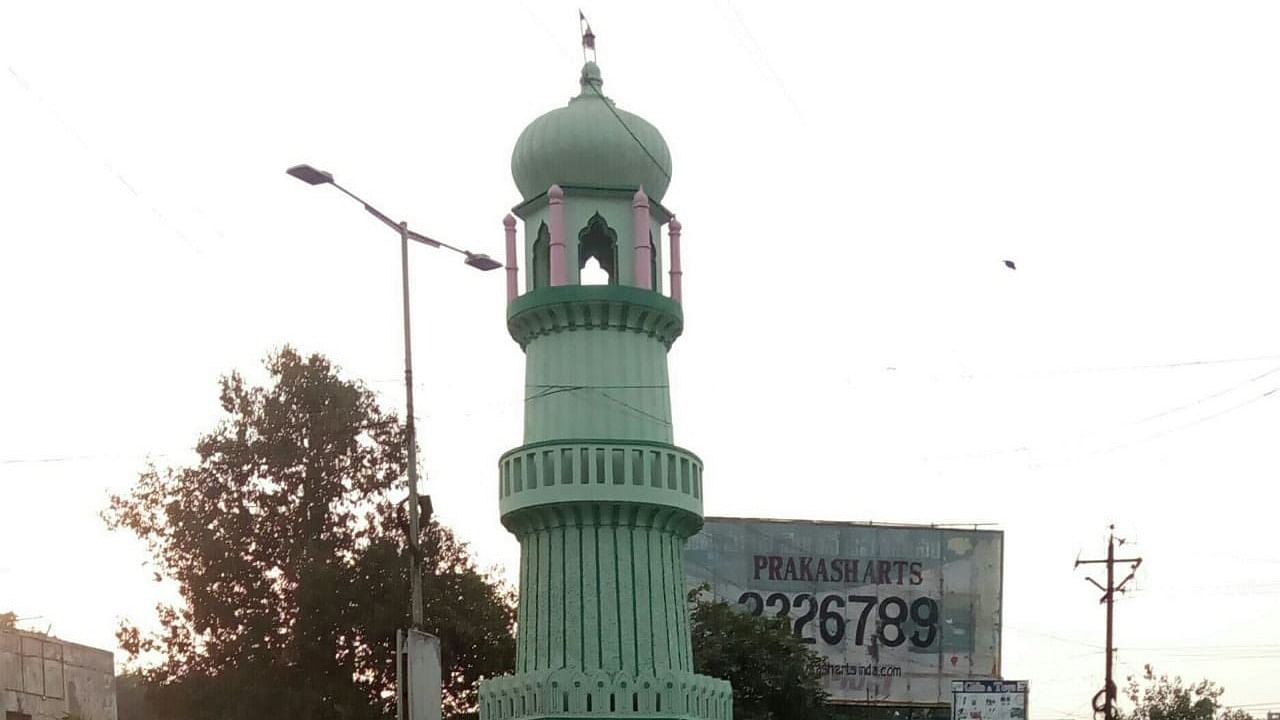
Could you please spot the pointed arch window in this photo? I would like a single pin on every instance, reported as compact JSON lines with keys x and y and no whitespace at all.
{"x":599,"y":241}
{"x":542,"y":257}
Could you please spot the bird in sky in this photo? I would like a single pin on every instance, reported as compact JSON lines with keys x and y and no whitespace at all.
{"x":1009,"y":264}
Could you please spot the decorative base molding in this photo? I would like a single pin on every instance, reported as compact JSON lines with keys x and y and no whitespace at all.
{"x":569,"y":693}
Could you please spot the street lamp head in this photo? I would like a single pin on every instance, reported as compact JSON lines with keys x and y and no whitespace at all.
{"x":310,"y":175}
{"x":480,"y":261}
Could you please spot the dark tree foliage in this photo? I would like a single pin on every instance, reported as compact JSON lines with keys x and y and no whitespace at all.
{"x":131,"y":698}
{"x":290,"y":558}
{"x":774,"y":675}
{"x":1159,"y":697}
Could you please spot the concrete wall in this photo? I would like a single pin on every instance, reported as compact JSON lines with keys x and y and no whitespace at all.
{"x":48,"y":678}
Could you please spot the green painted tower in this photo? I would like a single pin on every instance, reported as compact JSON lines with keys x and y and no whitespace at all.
{"x":599,"y":496}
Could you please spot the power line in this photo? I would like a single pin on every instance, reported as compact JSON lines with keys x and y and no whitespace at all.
{"x":1176,"y":364}
{"x":1168,"y":431}
{"x":1051,"y":636}
{"x":638,"y":411}
{"x":1026,"y":448}
{"x":549,"y":390}
{"x":623,"y":123}
{"x":754,"y":49}
{"x":1089,"y":370}
{"x":81,"y":458}
{"x":361,"y":427}
{"x":1188,"y":425}
{"x":550,"y":35}
{"x":556,"y":389}
{"x":1240,"y":558}
{"x":107,"y":164}
{"x":607,"y":387}
{"x":1211,"y":396}
{"x":1204,"y":647}
{"x":614,"y":111}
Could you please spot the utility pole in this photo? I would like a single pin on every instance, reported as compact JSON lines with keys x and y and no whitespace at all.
{"x":1107,"y":695}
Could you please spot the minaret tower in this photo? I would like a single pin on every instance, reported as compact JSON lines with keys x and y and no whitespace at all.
{"x":598,"y":495}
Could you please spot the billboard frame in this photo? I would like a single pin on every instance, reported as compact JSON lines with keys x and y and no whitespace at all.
{"x":975,"y":527}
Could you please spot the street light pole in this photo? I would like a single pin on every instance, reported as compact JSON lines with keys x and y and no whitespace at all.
{"x":479,"y":261}
{"x":411,"y":441}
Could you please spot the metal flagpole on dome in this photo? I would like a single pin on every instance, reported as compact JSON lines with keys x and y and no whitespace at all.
{"x":588,"y":38}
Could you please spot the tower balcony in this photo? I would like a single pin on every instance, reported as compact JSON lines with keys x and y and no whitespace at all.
{"x":566,"y":475}
{"x":569,"y":308}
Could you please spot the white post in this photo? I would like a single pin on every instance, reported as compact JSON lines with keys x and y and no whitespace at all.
{"x":555,"y":199}
{"x":513,"y":271}
{"x":642,"y":256}
{"x":673,"y":230}
{"x":418,"y":676}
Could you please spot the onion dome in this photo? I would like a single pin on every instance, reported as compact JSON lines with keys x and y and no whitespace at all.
{"x":591,"y":142}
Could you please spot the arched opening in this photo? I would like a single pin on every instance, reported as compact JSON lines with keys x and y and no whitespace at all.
{"x":592,"y":273}
{"x":542,"y":257}
{"x":598,"y":242}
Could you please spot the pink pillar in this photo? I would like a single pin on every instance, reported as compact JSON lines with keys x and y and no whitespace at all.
{"x":643,"y":250}
{"x":673,"y":230}
{"x":555,"y":196}
{"x":513,"y":271}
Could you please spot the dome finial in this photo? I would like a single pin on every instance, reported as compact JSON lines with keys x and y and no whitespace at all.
{"x":591,"y":82}
{"x":590,"y":79}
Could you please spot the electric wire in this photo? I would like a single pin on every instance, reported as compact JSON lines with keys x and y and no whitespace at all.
{"x":609,"y":104}
{"x":1015,"y":629}
{"x":555,"y":389}
{"x":1211,"y":396}
{"x":1188,"y":425}
{"x":1092,"y":370}
{"x":1171,"y":365}
{"x":1106,"y":450}
{"x":106,"y":164}
{"x":761,"y":60}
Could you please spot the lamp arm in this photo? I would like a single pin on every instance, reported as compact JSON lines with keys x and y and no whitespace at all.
{"x":369,"y":208}
{"x":412,"y":235}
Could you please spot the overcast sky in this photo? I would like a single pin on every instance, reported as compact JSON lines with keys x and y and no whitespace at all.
{"x":850,"y":178}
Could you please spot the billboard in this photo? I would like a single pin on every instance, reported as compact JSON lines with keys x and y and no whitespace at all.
{"x":989,"y":699}
{"x":896,"y":611}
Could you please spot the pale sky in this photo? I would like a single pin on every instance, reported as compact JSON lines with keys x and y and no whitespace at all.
{"x":849,"y":176}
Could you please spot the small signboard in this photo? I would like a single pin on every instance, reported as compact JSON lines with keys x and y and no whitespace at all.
{"x":989,"y":699}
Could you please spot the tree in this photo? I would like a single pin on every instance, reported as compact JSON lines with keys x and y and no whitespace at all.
{"x":131,"y":698}
{"x":774,"y":675}
{"x":290,"y":558}
{"x":8,"y":620}
{"x":1164,"y":698}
